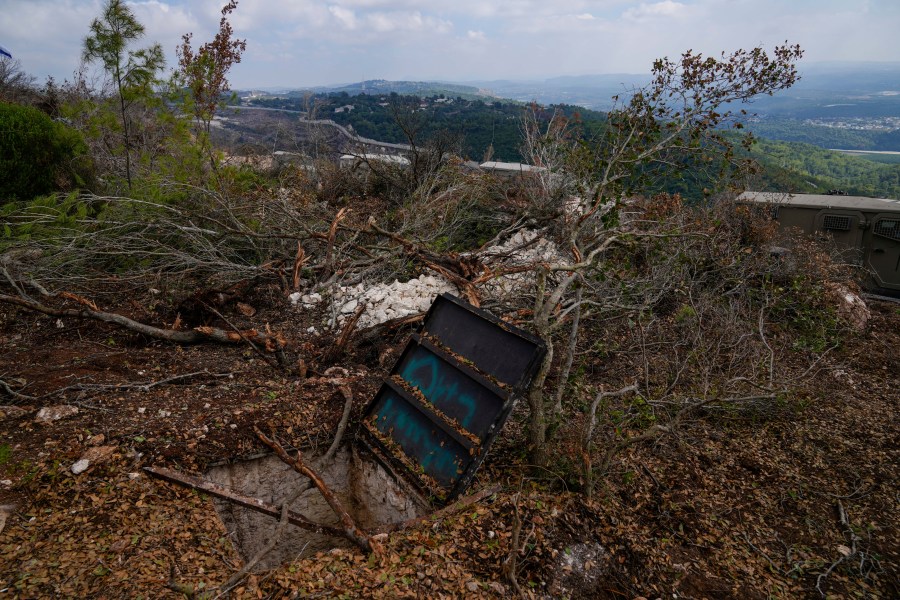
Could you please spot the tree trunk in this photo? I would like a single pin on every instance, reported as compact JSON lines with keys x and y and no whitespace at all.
{"x":538,"y":423}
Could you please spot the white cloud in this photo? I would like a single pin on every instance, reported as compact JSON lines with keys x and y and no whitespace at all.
{"x":346,"y":17}
{"x":666,"y":8}
{"x":406,"y":21}
{"x":304,"y":42}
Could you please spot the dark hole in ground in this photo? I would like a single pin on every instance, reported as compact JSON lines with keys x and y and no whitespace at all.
{"x":369,"y":493}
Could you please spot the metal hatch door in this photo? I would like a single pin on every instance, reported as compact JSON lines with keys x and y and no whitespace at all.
{"x":842,"y":227}
{"x":448,"y":396}
{"x":883,"y":256}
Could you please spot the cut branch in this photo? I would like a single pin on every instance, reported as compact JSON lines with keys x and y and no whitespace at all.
{"x":144,"y":387}
{"x":13,"y":393}
{"x":344,"y":338}
{"x":351,"y":530}
{"x":247,"y":502}
{"x":194,"y":336}
{"x":342,"y":426}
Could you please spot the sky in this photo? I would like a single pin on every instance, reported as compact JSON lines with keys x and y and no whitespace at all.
{"x":297,"y":43}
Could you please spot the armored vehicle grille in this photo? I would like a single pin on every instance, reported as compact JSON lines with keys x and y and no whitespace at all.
{"x":889,"y":228}
{"x":836,"y":223}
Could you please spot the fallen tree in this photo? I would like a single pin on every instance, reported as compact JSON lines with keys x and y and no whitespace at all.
{"x":88,"y":310}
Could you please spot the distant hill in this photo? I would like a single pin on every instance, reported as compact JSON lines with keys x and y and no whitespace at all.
{"x":488,"y":125}
{"x":414,"y":88}
{"x":594,"y":92}
{"x":379,"y":87}
{"x":850,"y":105}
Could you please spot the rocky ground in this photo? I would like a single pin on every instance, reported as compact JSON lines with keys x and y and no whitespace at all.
{"x":801,"y":503}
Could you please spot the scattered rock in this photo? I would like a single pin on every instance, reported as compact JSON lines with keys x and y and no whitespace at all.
{"x":850,"y":306}
{"x":498,"y":588}
{"x":246,"y":309}
{"x":12,"y":412}
{"x":94,"y":455}
{"x":527,"y":247}
{"x":383,"y":301}
{"x":580,"y":569}
{"x":5,"y":511}
{"x":98,"y":453}
{"x":472,"y":586}
{"x":80,"y":466}
{"x":48,"y":414}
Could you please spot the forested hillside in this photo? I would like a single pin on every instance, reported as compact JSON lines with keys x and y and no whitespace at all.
{"x":800,"y":167}
{"x":790,"y":130}
{"x":495,"y":129}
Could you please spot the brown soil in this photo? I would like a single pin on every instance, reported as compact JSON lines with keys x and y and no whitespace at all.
{"x":729,"y":509}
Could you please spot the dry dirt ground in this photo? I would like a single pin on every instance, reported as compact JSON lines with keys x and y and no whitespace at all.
{"x":729,"y":508}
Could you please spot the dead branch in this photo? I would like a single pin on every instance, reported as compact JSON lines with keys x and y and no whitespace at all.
{"x":299,"y":260}
{"x":351,"y":530}
{"x":144,"y":387}
{"x":509,"y":564}
{"x":342,"y":425}
{"x":250,"y":343}
{"x":460,"y":271}
{"x":329,"y":249}
{"x":235,"y":579}
{"x":184,"y":589}
{"x":194,"y":336}
{"x":845,"y":553}
{"x":772,"y":564}
{"x":13,"y":393}
{"x":376,"y":332}
{"x":343,"y":339}
{"x":254,"y":504}
{"x":589,"y":434}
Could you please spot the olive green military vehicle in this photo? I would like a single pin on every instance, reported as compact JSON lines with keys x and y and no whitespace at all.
{"x":866,"y":231}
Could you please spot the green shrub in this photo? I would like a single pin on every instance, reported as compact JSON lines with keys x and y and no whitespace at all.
{"x":37,"y":154}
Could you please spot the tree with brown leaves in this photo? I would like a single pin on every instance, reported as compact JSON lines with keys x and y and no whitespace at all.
{"x":204,"y":74}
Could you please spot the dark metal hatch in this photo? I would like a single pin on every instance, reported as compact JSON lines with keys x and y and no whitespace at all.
{"x":449,"y":395}
{"x":889,"y":228}
{"x":836,"y":223}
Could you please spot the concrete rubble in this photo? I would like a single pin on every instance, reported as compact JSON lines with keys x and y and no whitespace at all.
{"x":383,"y":301}
{"x":526,"y":247}
{"x":386,"y":301}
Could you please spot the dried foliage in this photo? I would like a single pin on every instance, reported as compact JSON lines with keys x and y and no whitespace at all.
{"x":204,"y":72}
